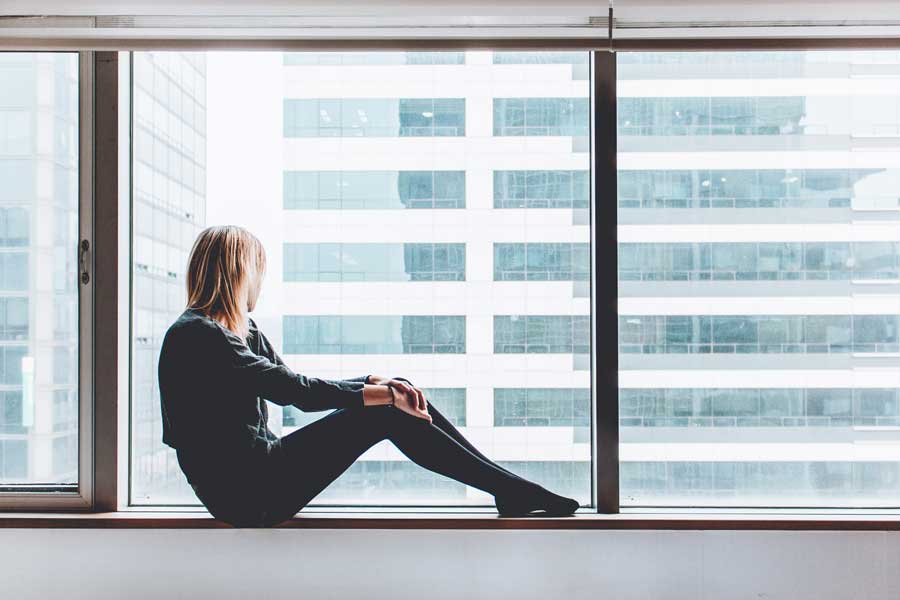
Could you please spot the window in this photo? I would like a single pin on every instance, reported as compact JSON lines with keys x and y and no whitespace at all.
{"x":760,"y":261}
{"x":542,"y":189}
{"x":376,"y":204}
{"x":758,"y":313}
{"x":374,"y":117}
{"x":542,"y":262}
{"x":371,"y":334}
{"x":541,"y":116}
{"x":749,"y":188}
{"x":39,"y":229}
{"x":374,"y":262}
{"x":374,"y":189}
{"x":541,"y":334}
{"x":169,"y":209}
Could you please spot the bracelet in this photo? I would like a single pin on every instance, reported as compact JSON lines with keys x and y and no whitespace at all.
{"x":393,"y":394}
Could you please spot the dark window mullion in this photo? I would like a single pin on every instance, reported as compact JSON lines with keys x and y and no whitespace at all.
{"x":604,"y":283}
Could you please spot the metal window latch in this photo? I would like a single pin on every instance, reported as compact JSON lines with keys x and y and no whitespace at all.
{"x":83,"y":248}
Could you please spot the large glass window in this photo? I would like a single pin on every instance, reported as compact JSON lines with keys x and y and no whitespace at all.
{"x":758,"y":267}
{"x":39,"y":229}
{"x":375,"y":181}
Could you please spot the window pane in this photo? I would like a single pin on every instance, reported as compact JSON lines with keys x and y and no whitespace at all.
{"x":759,"y":312}
{"x":38,"y":278}
{"x":383,"y":191}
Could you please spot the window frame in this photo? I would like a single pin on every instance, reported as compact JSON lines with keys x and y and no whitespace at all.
{"x":83,"y":497}
{"x":101,"y":458}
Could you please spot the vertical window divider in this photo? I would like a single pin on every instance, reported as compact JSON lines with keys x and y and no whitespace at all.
{"x":86,"y":288}
{"x":106,"y":281}
{"x":604,"y":288}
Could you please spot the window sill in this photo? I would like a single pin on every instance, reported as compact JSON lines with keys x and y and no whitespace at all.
{"x":187,"y":519}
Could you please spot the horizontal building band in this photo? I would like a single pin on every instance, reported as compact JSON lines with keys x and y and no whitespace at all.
{"x":764,"y":261}
{"x":759,"y":407}
{"x":752,"y":187}
{"x":768,"y":334}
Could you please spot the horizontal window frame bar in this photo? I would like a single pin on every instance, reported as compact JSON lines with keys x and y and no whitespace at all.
{"x":37,"y":42}
{"x":458,"y":520}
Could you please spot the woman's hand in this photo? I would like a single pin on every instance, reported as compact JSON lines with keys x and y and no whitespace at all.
{"x":409,"y":399}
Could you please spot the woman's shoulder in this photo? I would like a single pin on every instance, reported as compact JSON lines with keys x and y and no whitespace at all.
{"x":193,"y":324}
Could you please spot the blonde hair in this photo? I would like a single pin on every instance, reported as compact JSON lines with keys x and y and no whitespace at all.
{"x":222,"y":264}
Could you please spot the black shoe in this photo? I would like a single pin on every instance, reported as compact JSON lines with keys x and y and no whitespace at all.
{"x":551,"y":505}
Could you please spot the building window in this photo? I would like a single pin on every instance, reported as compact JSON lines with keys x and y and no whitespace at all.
{"x":374,"y":117}
{"x":762,"y":115}
{"x":542,"y":407}
{"x":759,"y":261}
{"x":374,"y":262}
{"x":542,"y":262}
{"x":759,"y":334}
{"x":753,"y":188}
{"x":541,"y":189}
{"x":374,"y":334}
{"x":374,"y":189}
{"x":541,"y":116}
{"x":541,"y":334}
{"x":759,"y":407}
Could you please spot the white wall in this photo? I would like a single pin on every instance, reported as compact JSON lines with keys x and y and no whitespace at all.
{"x":544,"y":565}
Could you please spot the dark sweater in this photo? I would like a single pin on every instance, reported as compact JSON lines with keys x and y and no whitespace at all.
{"x":212,"y":389}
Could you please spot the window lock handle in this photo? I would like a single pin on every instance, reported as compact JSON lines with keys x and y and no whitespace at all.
{"x":83,"y":248}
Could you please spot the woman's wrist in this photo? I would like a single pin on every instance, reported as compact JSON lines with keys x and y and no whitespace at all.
{"x":393,"y":394}
{"x":377,"y":394}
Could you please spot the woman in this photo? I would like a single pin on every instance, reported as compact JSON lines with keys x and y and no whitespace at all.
{"x":216,"y":369}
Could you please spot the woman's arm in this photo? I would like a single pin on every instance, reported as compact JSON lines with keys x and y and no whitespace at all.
{"x":266,"y":349}
{"x":252,"y":373}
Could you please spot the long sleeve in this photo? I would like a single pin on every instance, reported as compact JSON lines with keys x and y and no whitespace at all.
{"x":274,"y":381}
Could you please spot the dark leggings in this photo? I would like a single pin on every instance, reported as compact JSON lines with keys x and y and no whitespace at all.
{"x":313,"y":456}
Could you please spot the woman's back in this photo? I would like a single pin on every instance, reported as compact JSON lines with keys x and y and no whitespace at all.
{"x":214,"y":422}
